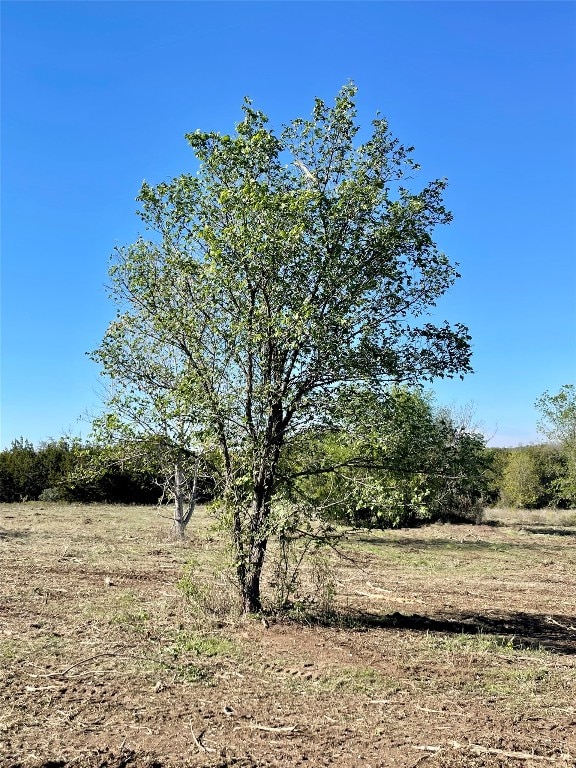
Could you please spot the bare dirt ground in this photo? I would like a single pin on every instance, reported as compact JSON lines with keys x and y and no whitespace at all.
{"x":446,"y":646}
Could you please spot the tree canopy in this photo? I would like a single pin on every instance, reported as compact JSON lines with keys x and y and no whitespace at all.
{"x":292,"y":266}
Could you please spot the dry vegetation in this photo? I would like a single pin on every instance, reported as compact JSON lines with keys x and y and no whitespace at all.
{"x":437,"y":647}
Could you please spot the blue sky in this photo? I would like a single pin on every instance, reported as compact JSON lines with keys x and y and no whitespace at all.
{"x":97,"y":96}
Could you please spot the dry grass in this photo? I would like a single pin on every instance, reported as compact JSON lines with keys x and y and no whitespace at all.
{"x":443,"y":646}
{"x":560,"y":518}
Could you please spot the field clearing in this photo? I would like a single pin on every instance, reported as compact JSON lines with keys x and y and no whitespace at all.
{"x":446,"y":646}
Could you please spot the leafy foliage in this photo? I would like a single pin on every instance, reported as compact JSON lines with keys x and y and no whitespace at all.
{"x":521,"y":485}
{"x":63,"y":470}
{"x":558,"y":423}
{"x":391,"y":460}
{"x":531,"y":476}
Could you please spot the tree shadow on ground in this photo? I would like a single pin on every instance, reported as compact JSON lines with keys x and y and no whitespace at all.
{"x":14,"y":534}
{"x":455,"y":544}
{"x":553,"y":633}
{"x":550,"y":530}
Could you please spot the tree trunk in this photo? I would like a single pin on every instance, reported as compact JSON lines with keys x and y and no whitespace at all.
{"x":250,"y":566}
{"x":256,"y":534}
{"x":179,"y":522}
{"x":250,"y":588}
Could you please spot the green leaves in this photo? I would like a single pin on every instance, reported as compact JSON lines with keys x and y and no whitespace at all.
{"x":292,"y":264}
{"x":388,"y":459}
{"x":558,"y":423}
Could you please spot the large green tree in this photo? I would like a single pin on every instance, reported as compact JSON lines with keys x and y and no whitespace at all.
{"x":389,"y":460}
{"x":290,"y":265}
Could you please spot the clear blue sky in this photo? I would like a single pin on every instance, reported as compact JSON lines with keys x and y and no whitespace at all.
{"x":97,"y":96}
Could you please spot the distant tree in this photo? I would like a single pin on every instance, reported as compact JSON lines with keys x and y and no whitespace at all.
{"x":526,"y":476}
{"x":496,"y":461}
{"x":7,"y":487}
{"x":558,"y":415}
{"x":64,"y":470}
{"x":289,"y":266}
{"x":26,"y":472}
{"x":56,"y":458}
{"x":532,"y":477}
{"x":521,"y":486}
{"x":22,"y":465}
{"x":148,"y":423}
{"x":94,"y":478}
{"x":558,"y":424}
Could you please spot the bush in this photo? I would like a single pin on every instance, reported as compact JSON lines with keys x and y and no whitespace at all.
{"x":533,"y":478}
{"x":53,"y":495}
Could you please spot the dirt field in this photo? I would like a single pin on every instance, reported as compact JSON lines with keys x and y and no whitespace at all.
{"x":450,"y":646}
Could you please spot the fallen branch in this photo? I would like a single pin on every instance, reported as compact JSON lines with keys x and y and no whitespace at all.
{"x":198,"y":742}
{"x":76,"y":664}
{"x":278,"y":729}
{"x":550,"y":620}
{"x":201,"y":747}
{"x":480,"y":750}
{"x":108,"y":654}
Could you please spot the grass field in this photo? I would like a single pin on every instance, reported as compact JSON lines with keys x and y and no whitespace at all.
{"x":436,"y":647}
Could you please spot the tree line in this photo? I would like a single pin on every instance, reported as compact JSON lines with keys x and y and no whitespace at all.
{"x":70,"y":471}
{"x":395,"y":461}
{"x":530,"y":477}
{"x":542,"y":475}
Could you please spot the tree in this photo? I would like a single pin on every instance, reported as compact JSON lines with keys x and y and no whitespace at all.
{"x":496,"y":462}
{"x":149,"y":425}
{"x":288,"y":267}
{"x":527,"y":476}
{"x":8,"y":491}
{"x":558,"y":413}
{"x":391,"y":459}
{"x":23,"y":474}
{"x":521,"y":485}
{"x":558,"y":424}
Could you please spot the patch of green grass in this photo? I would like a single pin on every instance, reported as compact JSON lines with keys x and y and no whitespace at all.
{"x":479,"y":644}
{"x":517,"y":682}
{"x":438,"y":555}
{"x":354,"y":680}
{"x":128,"y":613}
{"x":192,"y":657}
{"x":520,"y":686}
{"x":193,"y":673}
{"x":10,"y":649}
{"x":49,"y":644}
{"x":185,"y":642}
{"x":184,"y":672}
{"x":495,"y":668}
{"x":210,"y":595}
{"x":134,"y":620}
{"x":546,"y":517}
{"x":392,"y":553}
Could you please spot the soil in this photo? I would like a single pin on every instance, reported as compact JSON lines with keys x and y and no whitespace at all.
{"x":436,"y":647}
